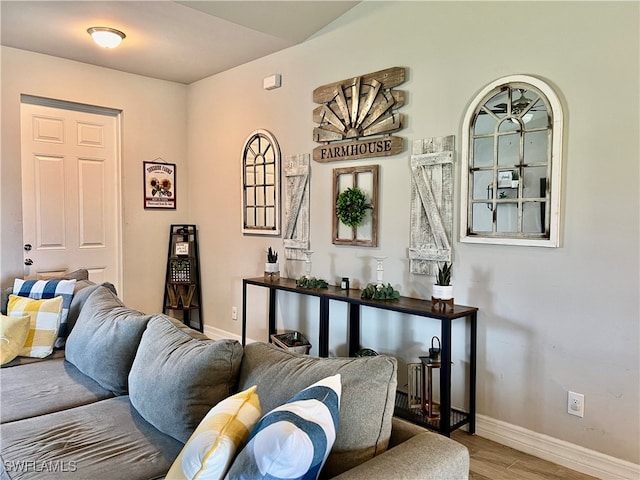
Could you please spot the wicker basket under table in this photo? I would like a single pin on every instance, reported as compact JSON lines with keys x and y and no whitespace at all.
{"x":293,"y":341}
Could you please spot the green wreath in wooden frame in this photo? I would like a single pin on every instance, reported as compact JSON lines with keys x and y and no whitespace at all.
{"x":351,"y":207}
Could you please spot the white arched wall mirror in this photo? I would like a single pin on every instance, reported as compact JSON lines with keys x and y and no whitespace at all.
{"x":512,"y":164}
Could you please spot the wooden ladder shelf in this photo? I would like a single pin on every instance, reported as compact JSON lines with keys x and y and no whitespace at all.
{"x":182,"y":293}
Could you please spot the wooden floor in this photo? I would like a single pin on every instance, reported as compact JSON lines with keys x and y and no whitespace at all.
{"x":492,"y":461}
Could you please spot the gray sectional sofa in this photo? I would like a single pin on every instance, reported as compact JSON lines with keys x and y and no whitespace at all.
{"x":129,"y":389}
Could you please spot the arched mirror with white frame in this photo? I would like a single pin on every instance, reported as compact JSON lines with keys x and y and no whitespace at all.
{"x":512,"y":164}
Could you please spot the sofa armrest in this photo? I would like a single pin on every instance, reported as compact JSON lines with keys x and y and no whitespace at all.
{"x":402,"y":430}
{"x":425,"y":455}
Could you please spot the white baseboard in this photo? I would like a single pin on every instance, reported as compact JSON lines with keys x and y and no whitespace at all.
{"x":219,"y":334}
{"x":539,"y":445}
{"x":557,"y":451}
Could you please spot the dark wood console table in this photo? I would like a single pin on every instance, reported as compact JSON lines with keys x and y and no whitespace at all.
{"x":450,"y":419}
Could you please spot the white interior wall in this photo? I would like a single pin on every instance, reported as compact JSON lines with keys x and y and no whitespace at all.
{"x":549,"y":321}
{"x":154,"y":124}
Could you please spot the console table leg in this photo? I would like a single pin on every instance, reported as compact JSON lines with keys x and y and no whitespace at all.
{"x":445,"y":379}
{"x":323,"y":334}
{"x":272,"y":312}
{"x":244,"y":313}
{"x":354,"y":329}
{"x":472,"y":372}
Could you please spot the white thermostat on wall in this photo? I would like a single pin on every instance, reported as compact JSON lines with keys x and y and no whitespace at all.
{"x":271,"y":82}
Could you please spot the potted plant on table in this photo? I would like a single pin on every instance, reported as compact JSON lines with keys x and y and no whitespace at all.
{"x":271,"y":266}
{"x":443,"y":290}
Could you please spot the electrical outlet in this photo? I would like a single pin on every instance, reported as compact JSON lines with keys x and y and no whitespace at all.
{"x":575,"y":404}
{"x":234,"y":313}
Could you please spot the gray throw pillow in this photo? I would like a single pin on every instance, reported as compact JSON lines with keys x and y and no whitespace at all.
{"x":179,"y":374}
{"x":105,"y":338}
{"x":366,"y":404}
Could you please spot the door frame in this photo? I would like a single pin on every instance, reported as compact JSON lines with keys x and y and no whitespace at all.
{"x":117,"y":115}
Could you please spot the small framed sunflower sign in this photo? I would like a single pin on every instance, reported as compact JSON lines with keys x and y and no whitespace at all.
{"x":159,"y":185}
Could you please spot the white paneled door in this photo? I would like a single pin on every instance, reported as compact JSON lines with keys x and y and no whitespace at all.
{"x":70,"y":192}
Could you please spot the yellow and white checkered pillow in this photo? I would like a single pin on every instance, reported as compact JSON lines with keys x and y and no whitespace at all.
{"x":13,"y":335}
{"x":213,"y":445}
{"x":44,"y":323}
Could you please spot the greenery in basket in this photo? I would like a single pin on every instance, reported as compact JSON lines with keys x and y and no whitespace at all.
{"x":380,"y":292}
{"x":311,"y":282}
{"x":444,"y":275}
{"x":272,"y":256}
{"x":351,"y":207}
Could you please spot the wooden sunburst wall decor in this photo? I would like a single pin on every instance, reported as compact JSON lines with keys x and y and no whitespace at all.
{"x":358,"y":115}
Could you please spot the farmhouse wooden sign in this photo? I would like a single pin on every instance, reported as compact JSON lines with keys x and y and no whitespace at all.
{"x":357,"y":116}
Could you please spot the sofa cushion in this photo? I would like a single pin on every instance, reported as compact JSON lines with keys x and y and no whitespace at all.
{"x":293,"y":440}
{"x":80,"y":274}
{"x":13,"y":336}
{"x":105,"y":338}
{"x":43,"y":323}
{"x":179,"y":374}
{"x":45,"y":387}
{"x":367,"y":401}
{"x":81,"y":293}
{"x":104,"y":440}
{"x":4,"y":299}
{"x":212,"y":447}
{"x":41,"y":289}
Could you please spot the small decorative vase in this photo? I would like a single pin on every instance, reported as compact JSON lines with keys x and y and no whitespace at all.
{"x":272,"y":271}
{"x":443,"y":292}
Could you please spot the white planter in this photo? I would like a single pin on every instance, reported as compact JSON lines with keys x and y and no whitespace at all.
{"x":272,"y":271}
{"x":271,"y":267}
{"x":443,"y":292}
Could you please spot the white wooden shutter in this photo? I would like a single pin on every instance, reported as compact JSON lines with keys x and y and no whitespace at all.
{"x":297,"y":221}
{"x":431,"y":204}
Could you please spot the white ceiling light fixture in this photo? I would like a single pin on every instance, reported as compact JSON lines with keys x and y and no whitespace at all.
{"x":106,"y":37}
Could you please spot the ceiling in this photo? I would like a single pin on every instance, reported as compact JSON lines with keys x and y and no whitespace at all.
{"x":177,"y":41}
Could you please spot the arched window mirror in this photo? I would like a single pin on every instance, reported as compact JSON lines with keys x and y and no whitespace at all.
{"x":261,"y":184}
{"x":511,"y":164}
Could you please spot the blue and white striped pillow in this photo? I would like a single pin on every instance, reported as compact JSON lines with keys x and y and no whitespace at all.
{"x":294,"y":440}
{"x":45,"y":289}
